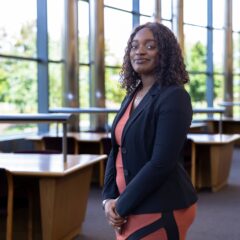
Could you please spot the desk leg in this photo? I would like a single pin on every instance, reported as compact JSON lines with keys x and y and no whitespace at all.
{"x":63,"y":202}
{"x":193,"y":164}
{"x":221,"y":159}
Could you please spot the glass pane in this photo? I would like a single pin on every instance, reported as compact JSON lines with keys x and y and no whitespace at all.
{"x":235,"y":12}
{"x":17,"y":130}
{"x":84,"y":86}
{"x":123,"y":4}
{"x":116,"y":43}
{"x":236,"y":52}
{"x":218,"y":89}
{"x":55,"y":28}
{"x":83,"y":26}
{"x":145,"y":19}
{"x":218,"y":50}
{"x":146,"y":7}
{"x":114,"y":93}
{"x":166,"y":10}
{"x":167,"y":23}
{"x":218,"y":13}
{"x":236,"y":95}
{"x":197,"y":89}
{"x":84,"y":98}
{"x":55,"y":84}
{"x":195,"y":48}
{"x":18,"y":87}
{"x":18,"y":28}
{"x":195,"y":12}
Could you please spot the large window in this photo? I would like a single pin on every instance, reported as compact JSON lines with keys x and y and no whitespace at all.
{"x":236,"y":56}
{"x":115,"y":45}
{"x":55,"y":49}
{"x":84,"y":58}
{"x":18,"y":63}
{"x":204,"y":51}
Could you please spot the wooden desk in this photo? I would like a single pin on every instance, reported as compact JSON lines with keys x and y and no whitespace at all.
{"x":83,"y":110}
{"x":79,"y":136}
{"x":86,"y":142}
{"x":211,"y":159}
{"x":64,"y":188}
{"x":229,"y":126}
{"x":229,"y":104}
{"x":212,"y":110}
{"x":84,"y":139}
{"x":197,"y":127}
{"x":41,"y":118}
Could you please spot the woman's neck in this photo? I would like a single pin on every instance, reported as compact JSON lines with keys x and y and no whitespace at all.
{"x":147,"y":81}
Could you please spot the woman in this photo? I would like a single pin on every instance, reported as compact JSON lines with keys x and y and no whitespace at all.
{"x":147,"y":193}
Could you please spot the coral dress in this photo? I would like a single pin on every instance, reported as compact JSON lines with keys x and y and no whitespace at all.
{"x":183,"y":217}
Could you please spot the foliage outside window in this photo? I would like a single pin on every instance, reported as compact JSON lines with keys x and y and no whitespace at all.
{"x":18,"y":77}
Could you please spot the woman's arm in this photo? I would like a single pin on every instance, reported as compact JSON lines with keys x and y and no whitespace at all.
{"x":110,"y":190}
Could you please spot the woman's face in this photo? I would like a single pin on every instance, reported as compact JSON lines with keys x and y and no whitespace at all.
{"x":144,"y":52}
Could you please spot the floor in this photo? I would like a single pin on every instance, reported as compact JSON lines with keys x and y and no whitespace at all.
{"x":218,"y":216}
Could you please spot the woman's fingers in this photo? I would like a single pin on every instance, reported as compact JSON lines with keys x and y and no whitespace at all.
{"x":113,"y":218}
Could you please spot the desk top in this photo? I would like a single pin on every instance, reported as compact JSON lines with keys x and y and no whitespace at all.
{"x":213,"y":138}
{"x":84,"y":110}
{"x":38,"y":117}
{"x":51,"y":165}
{"x":224,"y":119}
{"x":229,"y":104}
{"x":198,"y":125}
{"x":79,"y":136}
{"x":209,"y":110}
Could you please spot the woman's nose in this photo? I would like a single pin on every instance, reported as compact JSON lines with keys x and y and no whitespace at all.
{"x":141,"y":50}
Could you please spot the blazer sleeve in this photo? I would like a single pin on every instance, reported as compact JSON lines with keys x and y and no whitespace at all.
{"x":110,"y":190}
{"x":174,"y":116}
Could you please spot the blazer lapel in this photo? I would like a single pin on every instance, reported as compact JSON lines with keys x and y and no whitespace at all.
{"x":120,"y":113}
{"x":141,"y":107}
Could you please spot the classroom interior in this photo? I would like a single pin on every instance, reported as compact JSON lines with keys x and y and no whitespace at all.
{"x":60,"y":62}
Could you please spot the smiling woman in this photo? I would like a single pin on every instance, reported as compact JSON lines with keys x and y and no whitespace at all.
{"x":147,"y":193}
{"x":144,"y":52}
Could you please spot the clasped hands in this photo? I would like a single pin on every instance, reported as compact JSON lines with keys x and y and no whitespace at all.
{"x":113,"y":217}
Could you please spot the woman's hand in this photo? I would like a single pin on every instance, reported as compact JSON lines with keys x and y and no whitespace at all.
{"x":112,"y":216}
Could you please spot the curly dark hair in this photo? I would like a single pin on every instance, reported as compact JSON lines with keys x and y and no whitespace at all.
{"x":171,"y":69}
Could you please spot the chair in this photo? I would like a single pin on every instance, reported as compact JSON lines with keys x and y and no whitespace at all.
{"x":10,"y":192}
{"x":54,"y":144}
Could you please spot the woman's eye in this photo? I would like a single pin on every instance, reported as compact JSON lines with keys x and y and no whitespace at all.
{"x":133,"y":47}
{"x":150,"y":47}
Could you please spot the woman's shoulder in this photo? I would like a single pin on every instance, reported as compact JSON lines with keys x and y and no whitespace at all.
{"x":174,"y":91}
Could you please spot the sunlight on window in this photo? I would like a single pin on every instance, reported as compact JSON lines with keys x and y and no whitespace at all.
{"x":166,"y":9}
{"x":146,"y":7}
{"x":122,"y":4}
{"x":18,"y":28}
{"x":235,"y":9}
{"x":115,"y":42}
{"x":218,"y":13}
{"x":55,"y":28}
{"x":195,"y":12}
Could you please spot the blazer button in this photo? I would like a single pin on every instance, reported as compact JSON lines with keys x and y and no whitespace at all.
{"x":126,"y":172}
{"x":124,"y":150}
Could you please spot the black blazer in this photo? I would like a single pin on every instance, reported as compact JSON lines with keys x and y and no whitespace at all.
{"x":152,"y":141}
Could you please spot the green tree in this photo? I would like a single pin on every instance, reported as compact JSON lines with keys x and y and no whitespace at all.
{"x":18,"y":83}
{"x":196,"y":62}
